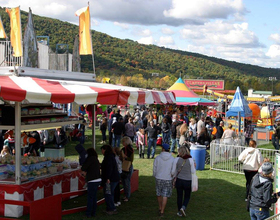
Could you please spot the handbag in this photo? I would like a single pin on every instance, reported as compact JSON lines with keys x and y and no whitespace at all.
{"x":126,"y":164}
{"x":108,"y":189}
{"x":175,"y":178}
{"x":194,"y":182}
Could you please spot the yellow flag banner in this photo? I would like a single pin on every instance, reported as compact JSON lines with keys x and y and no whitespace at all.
{"x":2,"y":30}
{"x":16,"y":42}
{"x":85,"y":44}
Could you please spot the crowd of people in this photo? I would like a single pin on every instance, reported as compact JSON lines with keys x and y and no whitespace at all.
{"x":148,"y":128}
{"x":144,"y":128}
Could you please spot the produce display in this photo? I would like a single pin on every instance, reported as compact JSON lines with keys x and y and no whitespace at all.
{"x":33,"y":167}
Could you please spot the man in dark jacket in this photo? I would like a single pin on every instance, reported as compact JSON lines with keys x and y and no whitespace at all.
{"x":118,"y":129}
{"x":220,"y":130}
{"x":153,"y":132}
{"x":261,"y":192}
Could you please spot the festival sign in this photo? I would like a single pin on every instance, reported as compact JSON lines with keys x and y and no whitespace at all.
{"x":199,"y":83}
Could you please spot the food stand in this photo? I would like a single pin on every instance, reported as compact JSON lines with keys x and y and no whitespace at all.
{"x":18,"y":91}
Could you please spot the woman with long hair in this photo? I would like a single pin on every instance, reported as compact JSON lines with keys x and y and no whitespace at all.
{"x":91,"y":168}
{"x":110,"y":177}
{"x":127,"y":156}
{"x":183,"y":170}
{"x":183,"y":134}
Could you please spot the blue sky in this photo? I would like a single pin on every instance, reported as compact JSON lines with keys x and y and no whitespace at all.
{"x":246,"y":31}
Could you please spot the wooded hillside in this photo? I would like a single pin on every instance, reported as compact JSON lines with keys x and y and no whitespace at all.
{"x":130,"y":63}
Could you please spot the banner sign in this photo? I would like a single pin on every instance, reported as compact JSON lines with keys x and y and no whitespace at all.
{"x":211,"y":84}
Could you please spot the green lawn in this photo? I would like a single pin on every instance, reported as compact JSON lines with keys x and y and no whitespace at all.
{"x":220,"y":195}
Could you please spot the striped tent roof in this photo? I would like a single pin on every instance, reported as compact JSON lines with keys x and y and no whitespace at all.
{"x":34,"y":90}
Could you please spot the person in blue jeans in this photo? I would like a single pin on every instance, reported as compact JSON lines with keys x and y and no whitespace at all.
{"x":261,"y":193}
{"x":91,"y":168}
{"x":152,"y":132}
{"x":127,"y":154}
{"x":183,"y":169}
{"x":110,"y":176}
{"x":165,"y":128}
{"x":118,"y":129}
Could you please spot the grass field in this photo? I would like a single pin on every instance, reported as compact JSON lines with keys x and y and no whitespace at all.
{"x":220,"y":195}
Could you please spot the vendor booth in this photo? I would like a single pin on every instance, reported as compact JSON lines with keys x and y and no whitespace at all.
{"x":29,"y":97}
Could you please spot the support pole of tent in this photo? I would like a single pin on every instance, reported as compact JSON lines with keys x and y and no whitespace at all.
{"x":239,"y":122}
{"x":93,"y":125}
{"x":18,"y":142}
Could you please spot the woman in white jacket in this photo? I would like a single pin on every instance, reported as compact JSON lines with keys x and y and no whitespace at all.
{"x":252,"y":159}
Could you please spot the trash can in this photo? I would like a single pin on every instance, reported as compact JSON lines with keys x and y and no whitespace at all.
{"x":198,"y":153}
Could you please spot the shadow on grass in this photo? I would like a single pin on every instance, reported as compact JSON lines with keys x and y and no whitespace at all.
{"x":216,"y":199}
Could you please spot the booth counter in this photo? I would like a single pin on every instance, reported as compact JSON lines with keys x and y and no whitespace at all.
{"x":67,"y":181}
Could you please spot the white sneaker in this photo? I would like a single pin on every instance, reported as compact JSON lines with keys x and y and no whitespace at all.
{"x":179,"y":214}
{"x":119,"y":203}
{"x":116,"y":204}
{"x":183,"y":212}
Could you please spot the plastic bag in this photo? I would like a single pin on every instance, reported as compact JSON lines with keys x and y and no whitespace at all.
{"x":194,"y":182}
{"x":108,"y":189}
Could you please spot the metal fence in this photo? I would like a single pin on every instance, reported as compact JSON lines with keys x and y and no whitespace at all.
{"x":6,"y":55}
{"x":274,"y":217}
{"x":224,"y":157}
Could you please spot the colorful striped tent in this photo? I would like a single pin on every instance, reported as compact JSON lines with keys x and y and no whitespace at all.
{"x":185,"y":96}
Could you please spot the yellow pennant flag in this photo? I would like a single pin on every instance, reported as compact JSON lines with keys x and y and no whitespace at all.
{"x":2,"y":30}
{"x":85,"y":44}
{"x":16,"y":42}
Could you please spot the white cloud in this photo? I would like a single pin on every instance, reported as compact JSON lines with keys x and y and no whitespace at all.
{"x":221,"y":33}
{"x":94,"y":22}
{"x":206,"y":9}
{"x":122,"y":25}
{"x":141,"y":32}
{"x":163,"y":41}
{"x":275,"y":38}
{"x":167,"y":31}
{"x":274,"y":51}
{"x":147,"y":40}
{"x":62,"y":9}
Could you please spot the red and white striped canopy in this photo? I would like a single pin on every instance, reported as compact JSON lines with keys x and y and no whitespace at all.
{"x":34,"y":90}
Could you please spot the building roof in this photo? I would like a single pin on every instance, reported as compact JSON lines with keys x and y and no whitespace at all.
{"x":263,"y":92}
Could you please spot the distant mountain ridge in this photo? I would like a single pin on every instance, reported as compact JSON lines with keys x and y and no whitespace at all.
{"x":116,"y":57}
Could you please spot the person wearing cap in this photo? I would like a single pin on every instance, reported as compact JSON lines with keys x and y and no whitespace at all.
{"x":261,"y":193}
{"x":162,"y":170}
{"x":252,"y":159}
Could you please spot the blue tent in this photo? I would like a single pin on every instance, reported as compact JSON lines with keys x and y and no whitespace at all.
{"x":239,"y":105}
